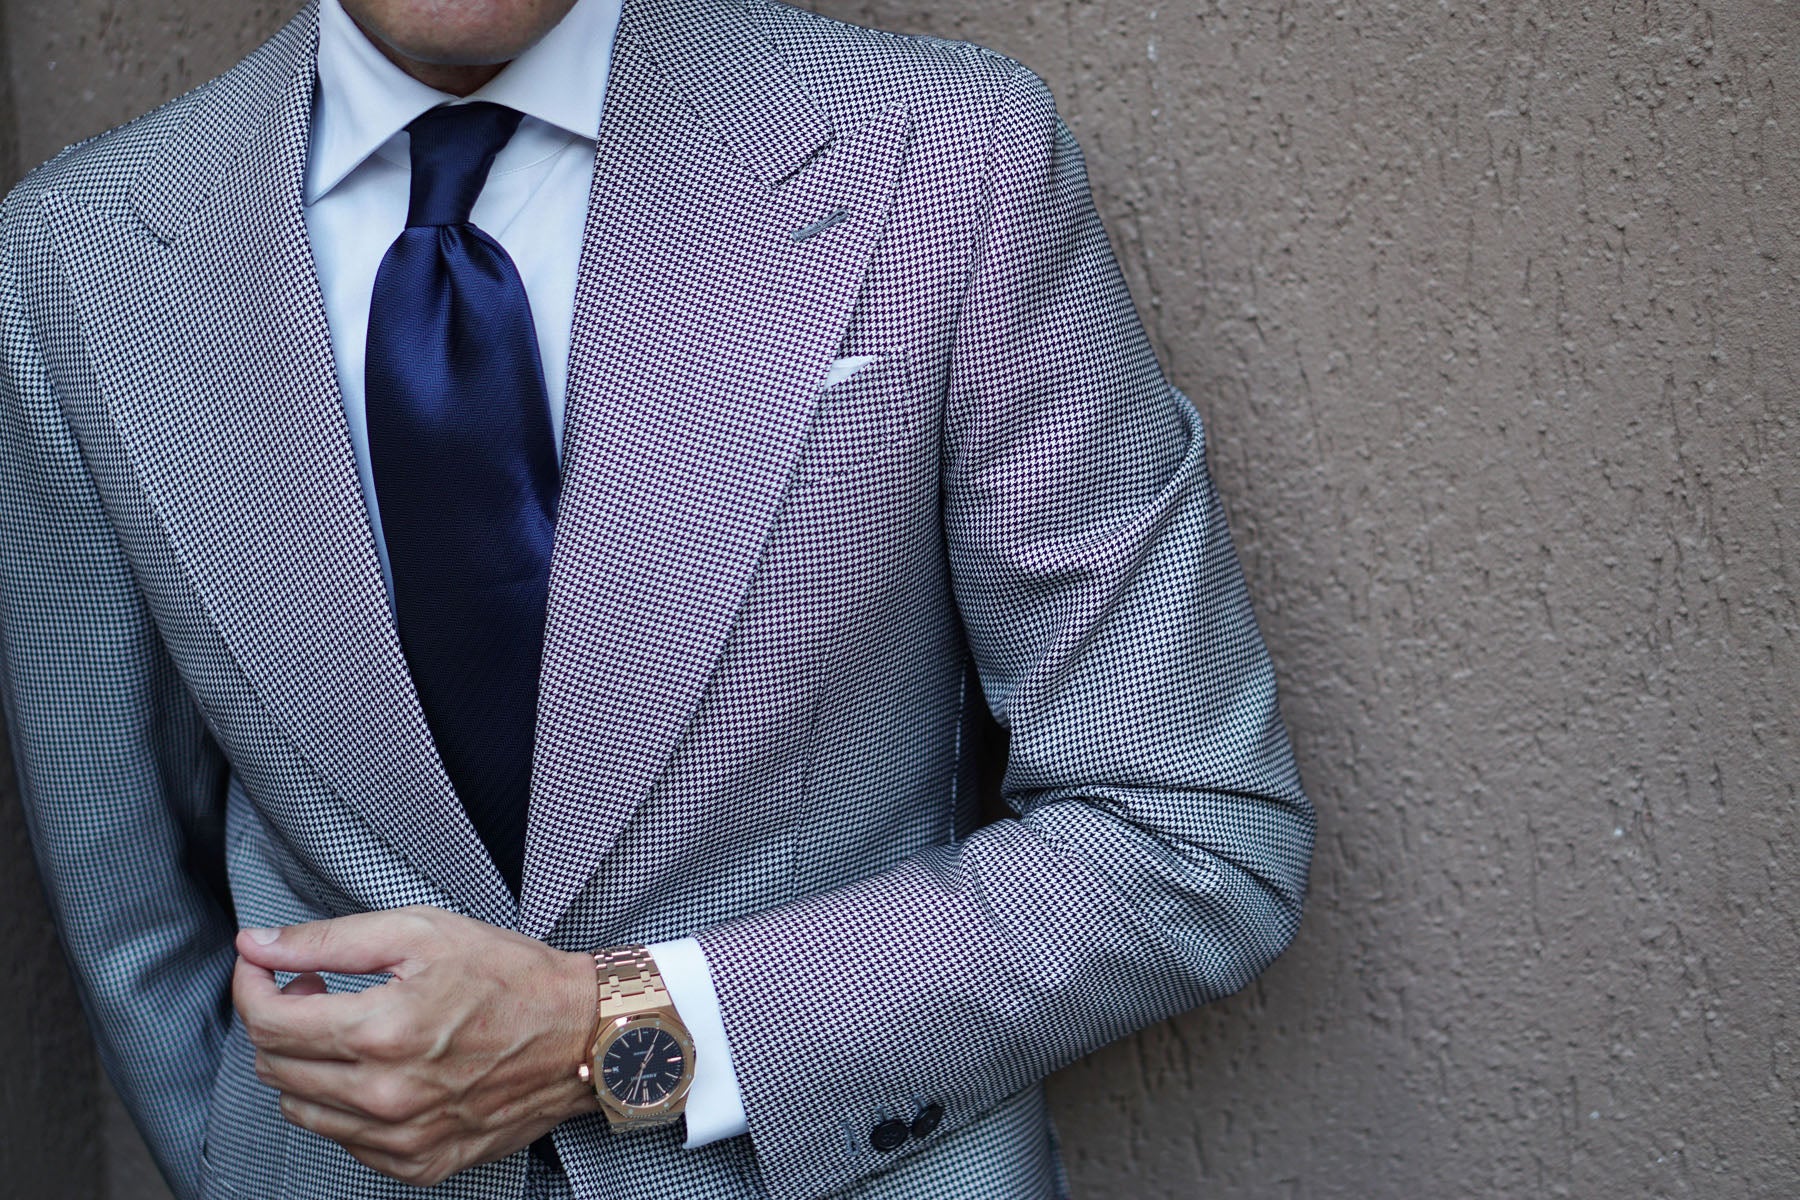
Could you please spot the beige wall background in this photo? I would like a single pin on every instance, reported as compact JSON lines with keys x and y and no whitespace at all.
{"x":1493,"y":312}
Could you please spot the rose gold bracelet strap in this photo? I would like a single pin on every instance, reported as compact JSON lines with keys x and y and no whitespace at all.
{"x":625,"y":981}
{"x":628,"y":981}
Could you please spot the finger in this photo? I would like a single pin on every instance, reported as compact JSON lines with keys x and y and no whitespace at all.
{"x":352,"y":1088}
{"x":308,"y":1025}
{"x":323,"y":1081}
{"x":359,"y":944}
{"x":398,"y":1151}
{"x":348,"y":1128}
{"x":409,"y":1169}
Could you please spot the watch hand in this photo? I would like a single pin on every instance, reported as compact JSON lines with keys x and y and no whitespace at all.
{"x":638,"y":1079}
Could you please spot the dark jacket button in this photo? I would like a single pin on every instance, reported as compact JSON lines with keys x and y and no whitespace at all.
{"x":888,"y":1135}
{"x":927,"y":1119}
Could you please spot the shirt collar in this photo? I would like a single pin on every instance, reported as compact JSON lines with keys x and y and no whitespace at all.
{"x":363,"y":99}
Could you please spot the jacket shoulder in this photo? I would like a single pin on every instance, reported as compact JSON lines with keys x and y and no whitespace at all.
{"x":203,"y":124}
{"x":854,"y":71}
{"x":99,"y":171}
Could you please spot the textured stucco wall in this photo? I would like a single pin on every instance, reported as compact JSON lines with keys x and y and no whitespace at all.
{"x":1492,"y":311}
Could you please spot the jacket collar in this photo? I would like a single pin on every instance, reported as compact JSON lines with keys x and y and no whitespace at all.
{"x":364,"y":100}
{"x":712,"y":50}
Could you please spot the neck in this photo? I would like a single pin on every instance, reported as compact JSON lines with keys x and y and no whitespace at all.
{"x":459,"y":79}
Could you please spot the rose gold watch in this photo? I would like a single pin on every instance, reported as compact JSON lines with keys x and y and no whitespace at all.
{"x":640,"y":1060}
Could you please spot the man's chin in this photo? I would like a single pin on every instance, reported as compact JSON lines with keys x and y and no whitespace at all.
{"x":457,"y":36}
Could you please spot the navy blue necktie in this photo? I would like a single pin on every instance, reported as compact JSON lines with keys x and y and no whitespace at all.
{"x":465,"y":472}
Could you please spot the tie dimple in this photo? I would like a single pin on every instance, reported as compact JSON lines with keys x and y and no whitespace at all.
{"x":453,"y":146}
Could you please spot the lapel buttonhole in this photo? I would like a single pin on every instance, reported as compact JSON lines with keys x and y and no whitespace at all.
{"x":819,"y":226}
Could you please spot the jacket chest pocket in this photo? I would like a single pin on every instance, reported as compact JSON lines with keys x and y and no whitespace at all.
{"x":857,"y":420}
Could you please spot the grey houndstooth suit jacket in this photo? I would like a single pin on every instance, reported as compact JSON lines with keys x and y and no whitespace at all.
{"x":779,"y":614}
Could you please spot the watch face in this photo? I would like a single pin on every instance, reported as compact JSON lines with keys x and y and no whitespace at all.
{"x":642,"y":1065}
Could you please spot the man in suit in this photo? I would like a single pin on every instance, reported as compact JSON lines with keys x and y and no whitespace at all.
{"x":533,"y":504}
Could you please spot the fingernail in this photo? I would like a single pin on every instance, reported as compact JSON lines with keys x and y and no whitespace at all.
{"x":263,"y":937}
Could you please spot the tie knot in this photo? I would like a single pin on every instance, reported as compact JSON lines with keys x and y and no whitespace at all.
{"x":453,"y":146}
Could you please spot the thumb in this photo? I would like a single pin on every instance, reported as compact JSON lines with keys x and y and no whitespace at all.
{"x":359,"y":944}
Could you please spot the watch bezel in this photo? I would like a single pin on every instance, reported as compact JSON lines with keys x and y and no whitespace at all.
{"x":669,"y":1106}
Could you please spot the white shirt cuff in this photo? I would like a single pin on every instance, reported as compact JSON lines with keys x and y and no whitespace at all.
{"x":715,"y":1106}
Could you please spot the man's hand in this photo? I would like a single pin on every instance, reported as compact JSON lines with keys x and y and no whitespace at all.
{"x":467,"y":1054}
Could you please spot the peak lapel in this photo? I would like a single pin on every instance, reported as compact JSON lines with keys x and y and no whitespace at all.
{"x":702,"y":331}
{"x":217,"y":365}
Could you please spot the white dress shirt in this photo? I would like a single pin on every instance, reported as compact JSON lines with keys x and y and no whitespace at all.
{"x":535,"y":205}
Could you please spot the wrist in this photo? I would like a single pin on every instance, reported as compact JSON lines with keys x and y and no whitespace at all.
{"x":578,"y":1013}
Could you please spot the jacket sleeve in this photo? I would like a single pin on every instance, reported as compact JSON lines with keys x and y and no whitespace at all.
{"x":1159,"y":853}
{"x":121,"y":785}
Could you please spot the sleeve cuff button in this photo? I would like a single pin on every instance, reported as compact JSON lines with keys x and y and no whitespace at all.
{"x":888,"y":1135}
{"x":927,"y":1119}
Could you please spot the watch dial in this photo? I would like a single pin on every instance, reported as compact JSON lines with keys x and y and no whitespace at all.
{"x":642,"y":1066}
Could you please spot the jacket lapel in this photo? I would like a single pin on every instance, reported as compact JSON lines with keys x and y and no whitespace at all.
{"x":703,"y":329}
{"x":214,"y":354}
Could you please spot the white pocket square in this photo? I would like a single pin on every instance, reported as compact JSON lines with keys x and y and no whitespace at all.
{"x":844,"y":368}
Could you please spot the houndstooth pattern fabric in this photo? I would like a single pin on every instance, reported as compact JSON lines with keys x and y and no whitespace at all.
{"x":781,"y":616}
